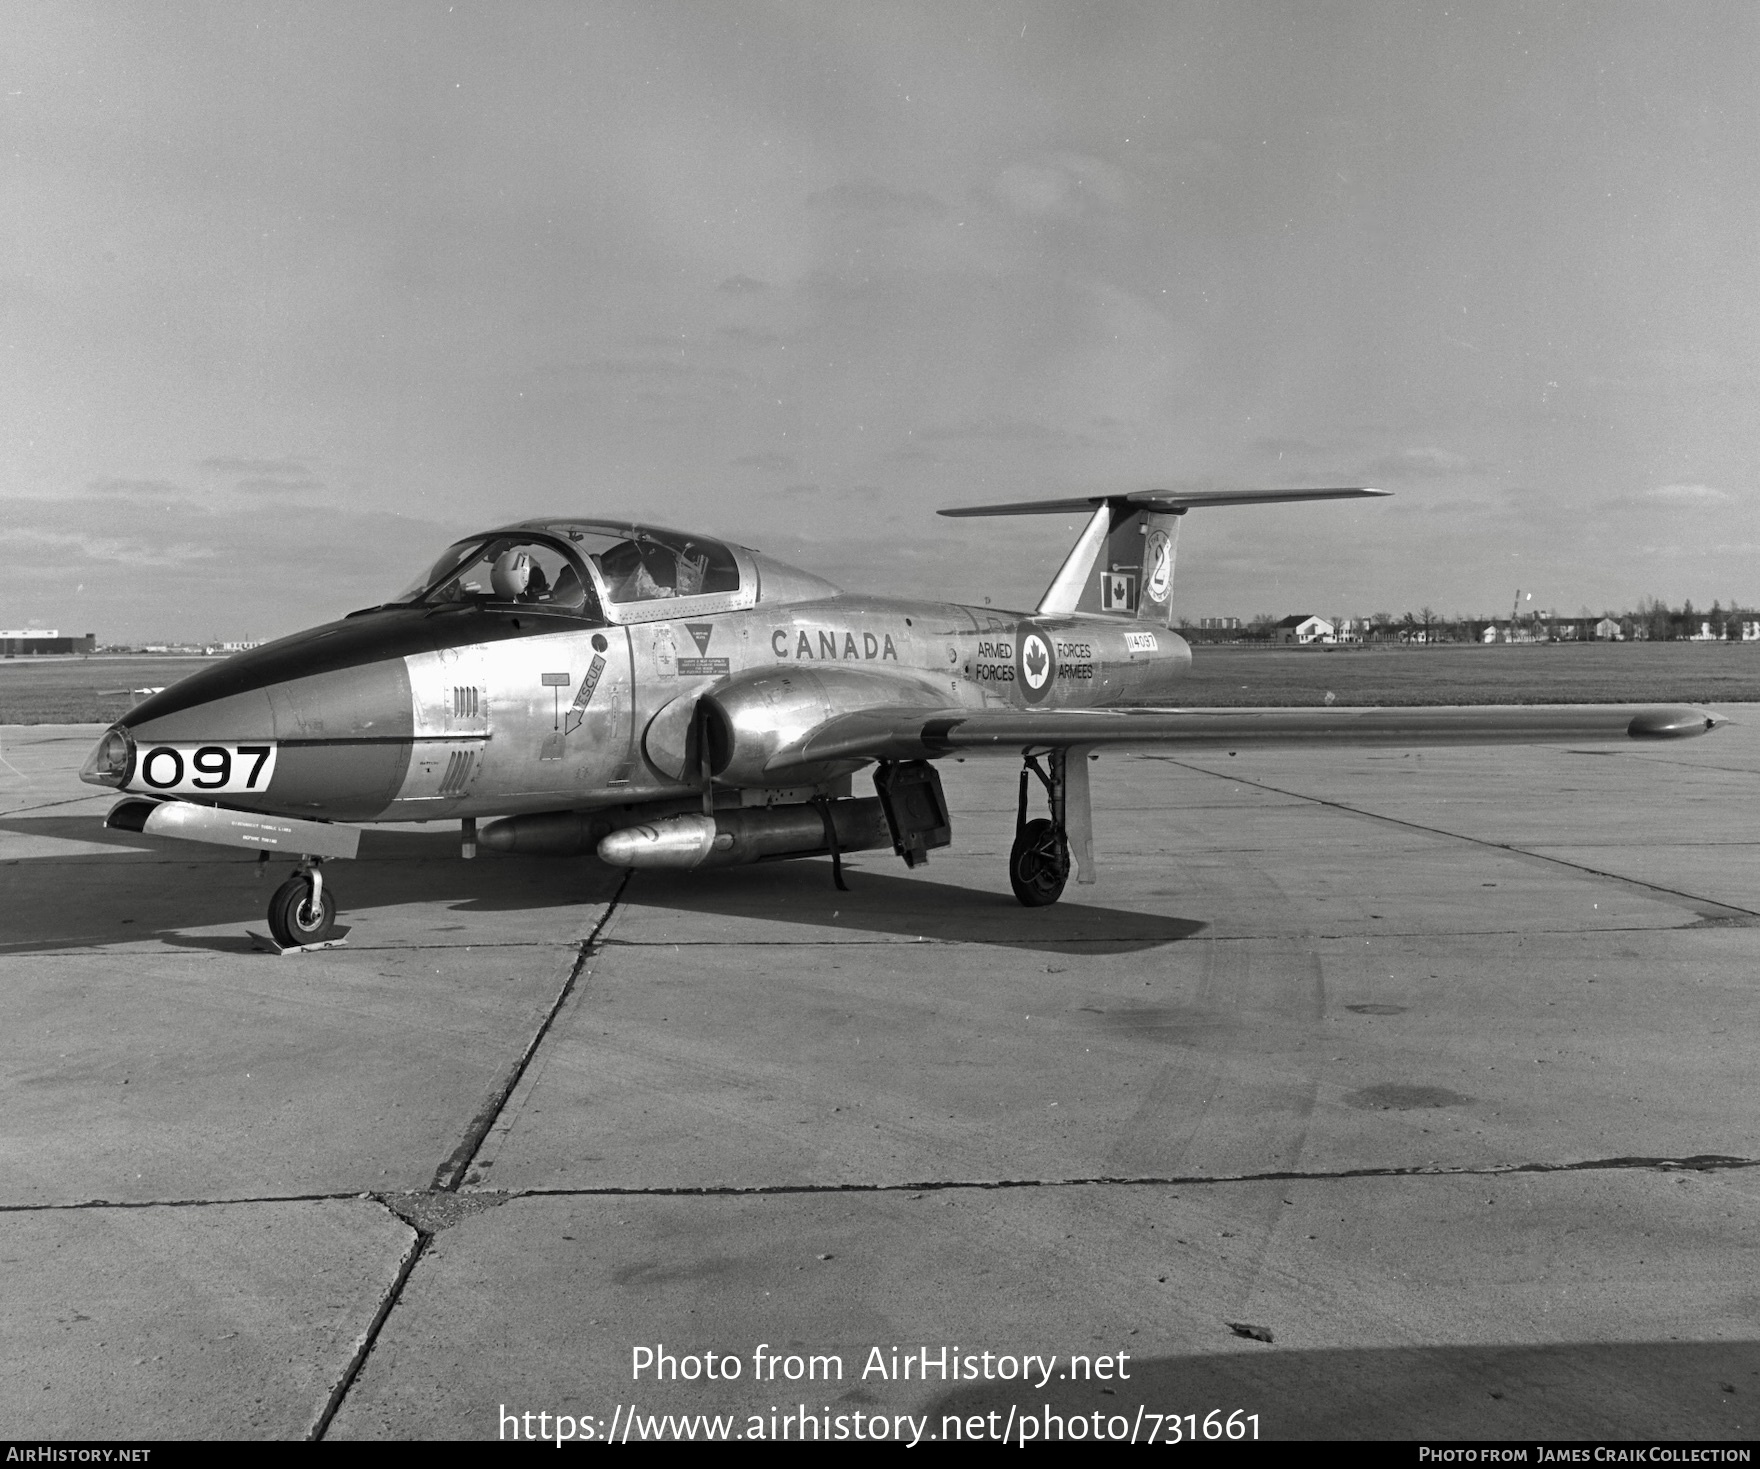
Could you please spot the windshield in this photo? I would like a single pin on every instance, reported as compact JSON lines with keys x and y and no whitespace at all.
{"x":516,"y":569}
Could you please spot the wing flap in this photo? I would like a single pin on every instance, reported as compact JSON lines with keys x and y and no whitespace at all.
{"x":916,"y":734}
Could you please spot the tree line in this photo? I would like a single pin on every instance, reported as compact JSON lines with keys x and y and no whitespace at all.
{"x":1652,"y":620}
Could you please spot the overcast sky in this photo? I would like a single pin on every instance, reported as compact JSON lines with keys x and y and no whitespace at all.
{"x":291,"y":295}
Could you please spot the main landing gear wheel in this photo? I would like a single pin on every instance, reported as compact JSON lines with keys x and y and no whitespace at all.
{"x":1038,"y":867}
{"x":295,"y":919}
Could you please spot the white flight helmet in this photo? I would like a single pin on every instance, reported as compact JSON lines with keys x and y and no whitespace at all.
{"x":511,"y":574}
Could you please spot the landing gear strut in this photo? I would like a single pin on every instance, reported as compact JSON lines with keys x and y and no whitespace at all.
{"x":302,"y":912}
{"x":1038,"y":867}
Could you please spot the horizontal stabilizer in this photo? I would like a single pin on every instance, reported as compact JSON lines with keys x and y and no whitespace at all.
{"x":1165,"y":500}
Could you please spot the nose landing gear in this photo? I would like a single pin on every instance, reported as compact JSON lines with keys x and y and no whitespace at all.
{"x":302,"y":914}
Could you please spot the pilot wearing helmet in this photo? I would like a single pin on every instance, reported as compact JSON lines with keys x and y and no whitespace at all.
{"x":515,"y":577}
{"x":511,"y":574}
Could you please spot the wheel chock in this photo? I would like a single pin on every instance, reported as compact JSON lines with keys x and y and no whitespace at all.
{"x":266,"y":945}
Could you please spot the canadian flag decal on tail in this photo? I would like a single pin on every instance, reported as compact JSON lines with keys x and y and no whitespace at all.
{"x":1118,"y":591}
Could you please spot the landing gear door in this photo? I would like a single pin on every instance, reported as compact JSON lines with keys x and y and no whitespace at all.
{"x":916,"y":810}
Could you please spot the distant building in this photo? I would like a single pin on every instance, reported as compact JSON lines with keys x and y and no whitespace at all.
{"x":1610,"y":631}
{"x":1703,"y":635}
{"x":1510,"y":633}
{"x":1751,"y":632}
{"x":240,"y":647}
{"x":39,"y":642}
{"x":1305,"y":627}
{"x":1220,"y":624}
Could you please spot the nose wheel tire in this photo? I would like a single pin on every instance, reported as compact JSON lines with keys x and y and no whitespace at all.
{"x":294,"y":919}
{"x":1038,"y":867}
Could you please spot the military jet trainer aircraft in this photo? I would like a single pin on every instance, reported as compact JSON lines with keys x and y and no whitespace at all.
{"x":671,"y":701}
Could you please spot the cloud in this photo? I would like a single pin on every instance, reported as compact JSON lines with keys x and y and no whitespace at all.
{"x":70,"y":547}
{"x":1418,"y":464}
{"x":1005,"y":430}
{"x":668,"y":368}
{"x":749,"y":336}
{"x":741,"y":285}
{"x":156,"y":489}
{"x":263,"y":486}
{"x":199,"y":568}
{"x":1686,"y":496}
{"x":780,"y":463}
{"x":1061,"y":186}
{"x":1282,"y":445}
{"x":879,"y":204}
{"x":233,"y":464}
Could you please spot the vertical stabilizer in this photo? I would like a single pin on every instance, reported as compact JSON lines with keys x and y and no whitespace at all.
{"x":1067,"y":588}
{"x":1121,"y":567}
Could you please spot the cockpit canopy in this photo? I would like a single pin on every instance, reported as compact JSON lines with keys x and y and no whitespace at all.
{"x":602,"y":571}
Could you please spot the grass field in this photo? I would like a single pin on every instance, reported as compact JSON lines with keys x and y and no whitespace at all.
{"x":1468,"y":673}
{"x":96,"y":690}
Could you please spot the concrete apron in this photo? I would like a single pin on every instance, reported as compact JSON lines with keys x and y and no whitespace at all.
{"x":1318,"y":1061}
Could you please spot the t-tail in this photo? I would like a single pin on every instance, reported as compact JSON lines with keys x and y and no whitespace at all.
{"x":1123,"y":564}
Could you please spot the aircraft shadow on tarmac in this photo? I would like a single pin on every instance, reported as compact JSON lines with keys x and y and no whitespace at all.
{"x":907,"y":906}
{"x":1568,"y":1390}
{"x":89,"y":899}
{"x":159,"y":890}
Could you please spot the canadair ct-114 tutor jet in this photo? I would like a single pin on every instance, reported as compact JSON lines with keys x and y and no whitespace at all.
{"x":673,"y":701}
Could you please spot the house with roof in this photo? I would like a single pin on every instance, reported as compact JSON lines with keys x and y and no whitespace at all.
{"x":1305,"y":627}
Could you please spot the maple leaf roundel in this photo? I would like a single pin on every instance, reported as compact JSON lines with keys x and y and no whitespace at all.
{"x":1035,"y":667}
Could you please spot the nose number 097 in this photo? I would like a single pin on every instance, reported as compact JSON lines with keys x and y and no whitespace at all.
{"x":207,"y":769}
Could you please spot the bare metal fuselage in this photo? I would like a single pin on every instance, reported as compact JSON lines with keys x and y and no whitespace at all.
{"x":503,"y":711}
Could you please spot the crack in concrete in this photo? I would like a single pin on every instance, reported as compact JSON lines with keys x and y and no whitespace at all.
{"x":431,"y":1211}
{"x":452,"y":1171}
{"x":317,"y":1198}
{"x":440,"y":1206}
{"x":152,"y":944}
{"x":364,"y":1344}
{"x":1058,"y":945}
{"x":1698,"y":1163}
{"x":1698,"y":904}
{"x":51,"y":805}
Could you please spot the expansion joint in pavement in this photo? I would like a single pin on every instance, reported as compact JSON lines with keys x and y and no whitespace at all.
{"x":441,"y":1205}
{"x":369,"y":1338}
{"x":1704,"y":907}
{"x":430,"y":1211}
{"x":316,"y":1198}
{"x":1696,"y":1163}
{"x":457,"y":1164}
